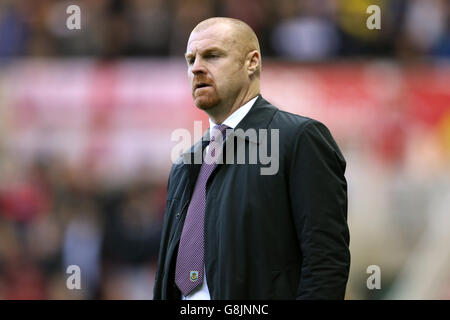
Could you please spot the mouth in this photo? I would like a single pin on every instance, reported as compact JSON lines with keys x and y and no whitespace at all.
{"x":201,"y":85}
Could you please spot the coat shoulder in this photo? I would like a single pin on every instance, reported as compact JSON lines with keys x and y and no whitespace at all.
{"x":294,"y":128}
{"x":292,"y":123}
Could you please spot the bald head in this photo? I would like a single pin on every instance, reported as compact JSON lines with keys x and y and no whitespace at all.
{"x":241,"y":34}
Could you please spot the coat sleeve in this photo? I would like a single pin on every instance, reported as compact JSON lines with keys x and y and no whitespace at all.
{"x":318,"y":196}
{"x":157,"y":288}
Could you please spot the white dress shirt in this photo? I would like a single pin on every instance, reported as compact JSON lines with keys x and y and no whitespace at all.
{"x":202,"y":292}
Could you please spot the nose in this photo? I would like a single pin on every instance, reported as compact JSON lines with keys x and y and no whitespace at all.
{"x":198,"y":66}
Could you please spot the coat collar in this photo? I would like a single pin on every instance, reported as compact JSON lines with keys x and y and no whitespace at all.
{"x":257,"y":118}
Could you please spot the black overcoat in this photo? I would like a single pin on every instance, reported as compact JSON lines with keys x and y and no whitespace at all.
{"x":277,"y":236}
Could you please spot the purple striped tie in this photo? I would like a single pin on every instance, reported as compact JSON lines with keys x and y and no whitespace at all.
{"x":191,"y":258}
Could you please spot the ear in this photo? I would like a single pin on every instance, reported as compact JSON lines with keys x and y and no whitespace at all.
{"x":253,"y":62}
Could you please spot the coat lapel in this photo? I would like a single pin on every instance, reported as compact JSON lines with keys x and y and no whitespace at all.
{"x":258,"y":117}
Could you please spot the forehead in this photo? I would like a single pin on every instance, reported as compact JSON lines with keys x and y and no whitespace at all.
{"x":213,"y":36}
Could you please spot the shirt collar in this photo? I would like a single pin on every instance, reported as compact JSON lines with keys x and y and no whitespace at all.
{"x":233,"y":120}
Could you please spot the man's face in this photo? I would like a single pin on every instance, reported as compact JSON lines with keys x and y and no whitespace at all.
{"x":215,"y":67}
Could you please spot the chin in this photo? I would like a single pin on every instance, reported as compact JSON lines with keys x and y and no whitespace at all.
{"x":204,"y":102}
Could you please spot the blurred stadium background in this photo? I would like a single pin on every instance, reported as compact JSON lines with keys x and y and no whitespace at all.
{"x":86,"y":118}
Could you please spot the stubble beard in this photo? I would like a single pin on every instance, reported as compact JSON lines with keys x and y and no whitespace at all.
{"x":207,"y":100}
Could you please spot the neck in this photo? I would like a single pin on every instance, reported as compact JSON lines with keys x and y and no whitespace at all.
{"x":221,"y":112}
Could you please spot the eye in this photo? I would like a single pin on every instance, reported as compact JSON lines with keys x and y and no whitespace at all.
{"x":212,"y":55}
{"x":190,"y":61}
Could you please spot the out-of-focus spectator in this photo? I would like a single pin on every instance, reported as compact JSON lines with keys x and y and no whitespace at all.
{"x":187,"y":14}
{"x":426,"y":24}
{"x":306,"y":31}
{"x":152,"y":27}
{"x":133,"y":227}
{"x":13,"y":29}
{"x":82,"y":245}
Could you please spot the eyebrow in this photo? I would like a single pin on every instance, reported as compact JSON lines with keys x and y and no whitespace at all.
{"x":188,"y":55}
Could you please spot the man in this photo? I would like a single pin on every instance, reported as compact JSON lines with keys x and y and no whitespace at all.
{"x":231,"y":232}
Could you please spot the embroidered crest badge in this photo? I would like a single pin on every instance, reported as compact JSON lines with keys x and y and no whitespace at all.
{"x":193,"y":276}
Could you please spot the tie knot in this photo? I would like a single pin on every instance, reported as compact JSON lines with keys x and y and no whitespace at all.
{"x":219,"y":128}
